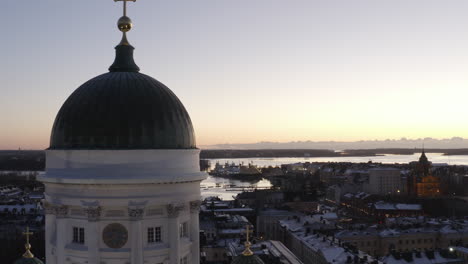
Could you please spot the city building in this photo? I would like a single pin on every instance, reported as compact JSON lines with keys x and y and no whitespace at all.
{"x":383,"y":181}
{"x":306,"y":238}
{"x":122,"y":180}
{"x":462,"y":252}
{"x":422,"y":183}
{"x":423,"y":257}
{"x":423,"y":235}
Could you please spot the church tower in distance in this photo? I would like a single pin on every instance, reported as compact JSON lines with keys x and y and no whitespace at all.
{"x":122,"y":180}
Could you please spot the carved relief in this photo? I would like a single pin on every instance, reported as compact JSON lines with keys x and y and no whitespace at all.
{"x":136,"y":209}
{"x":195,"y":206}
{"x":173,"y":210}
{"x":135,"y":213}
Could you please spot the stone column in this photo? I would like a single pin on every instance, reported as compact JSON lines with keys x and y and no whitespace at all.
{"x":195,"y":231}
{"x":173,"y":211}
{"x":92,"y":236}
{"x":136,"y":215}
{"x":62,"y":232}
{"x":51,"y":233}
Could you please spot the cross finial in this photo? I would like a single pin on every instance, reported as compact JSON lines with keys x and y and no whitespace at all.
{"x":28,"y":253}
{"x":124,"y":5}
{"x":247,"y":251}
{"x":125,"y":23}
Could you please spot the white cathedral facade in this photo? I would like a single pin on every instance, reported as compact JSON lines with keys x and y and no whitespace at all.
{"x":121,"y":207}
{"x":122,"y":180}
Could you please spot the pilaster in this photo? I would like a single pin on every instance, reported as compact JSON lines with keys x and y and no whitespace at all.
{"x":61,"y":234}
{"x":50,"y":233}
{"x":173,"y":211}
{"x":194,"y":231}
{"x":93,"y":212}
{"x":135,"y":214}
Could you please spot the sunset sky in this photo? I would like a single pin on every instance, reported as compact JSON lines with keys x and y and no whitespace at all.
{"x":249,"y":70}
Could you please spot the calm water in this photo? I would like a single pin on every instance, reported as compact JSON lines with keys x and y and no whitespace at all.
{"x":209,"y":185}
{"x":433,"y":157}
{"x":214,"y":186}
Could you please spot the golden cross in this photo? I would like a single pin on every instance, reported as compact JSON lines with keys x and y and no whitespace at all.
{"x":28,"y":253}
{"x":124,"y":5}
{"x":247,"y":244}
{"x":27,"y":234}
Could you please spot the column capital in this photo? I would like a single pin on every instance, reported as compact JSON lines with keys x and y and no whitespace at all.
{"x":50,"y":208}
{"x":61,"y":210}
{"x":56,"y":209}
{"x":92,"y":210}
{"x":93,"y":213}
{"x":173,"y":209}
{"x":195,"y":206}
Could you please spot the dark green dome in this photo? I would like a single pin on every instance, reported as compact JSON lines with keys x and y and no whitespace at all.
{"x":24,"y":260}
{"x":123,"y":109}
{"x":242,"y":259}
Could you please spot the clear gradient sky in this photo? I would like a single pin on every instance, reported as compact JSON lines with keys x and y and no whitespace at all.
{"x":249,"y":70}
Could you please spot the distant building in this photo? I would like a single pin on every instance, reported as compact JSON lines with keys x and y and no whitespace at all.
{"x":428,"y":186}
{"x":383,"y":181}
{"x":462,"y":252}
{"x":429,"y":235}
{"x":425,"y":257}
{"x":267,"y":222}
{"x":422,"y":183}
{"x":300,"y":235}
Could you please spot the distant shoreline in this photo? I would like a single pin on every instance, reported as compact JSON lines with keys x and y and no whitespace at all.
{"x":315,"y":153}
{"x":34,"y":160}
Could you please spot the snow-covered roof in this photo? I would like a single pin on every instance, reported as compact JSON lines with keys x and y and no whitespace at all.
{"x":422,"y":259}
{"x":414,"y":207}
{"x":390,"y":206}
{"x":10,"y":208}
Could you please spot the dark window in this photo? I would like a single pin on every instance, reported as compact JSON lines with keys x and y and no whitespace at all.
{"x":154,"y":234}
{"x":78,"y":235}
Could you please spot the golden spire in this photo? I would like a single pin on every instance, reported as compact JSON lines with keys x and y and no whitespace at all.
{"x":28,"y":253}
{"x":247,"y":244}
{"x":124,"y":23}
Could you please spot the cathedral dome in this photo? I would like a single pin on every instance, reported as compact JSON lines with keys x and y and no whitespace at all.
{"x":122,"y":109}
{"x":28,"y":261}
{"x":242,"y":259}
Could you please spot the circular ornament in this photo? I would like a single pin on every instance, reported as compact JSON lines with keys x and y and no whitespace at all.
{"x":115,"y":235}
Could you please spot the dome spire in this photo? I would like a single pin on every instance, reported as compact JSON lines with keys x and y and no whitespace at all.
{"x":247,"y":244}
{"x":28,"y":257}
{"x":124,"y":51}
{"x":28,"y":253}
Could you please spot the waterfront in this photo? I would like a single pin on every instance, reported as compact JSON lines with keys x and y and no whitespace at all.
{"x":387,"y":159}
{"x":215,"y":186}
